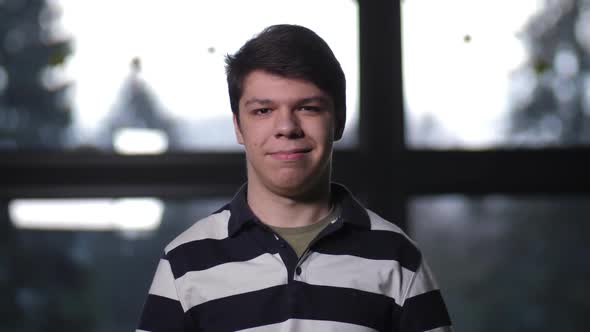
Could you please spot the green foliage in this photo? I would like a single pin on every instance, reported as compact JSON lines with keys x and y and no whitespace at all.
{"x":540,"y":66}
{"x":556,"y":111}
{"x":33,"y":113}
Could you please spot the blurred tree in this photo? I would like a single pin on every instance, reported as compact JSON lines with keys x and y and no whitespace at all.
{"x":137,"y":107}
{"x":10,"y":313}
{"x":508,"y":263}
{"x":34,"y":110}
{"x":44,"y":286}
{"x":552,"y":105}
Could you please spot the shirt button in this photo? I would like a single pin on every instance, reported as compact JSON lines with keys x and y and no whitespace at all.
{"x":283,"y":245}
{"x":298,"y":270}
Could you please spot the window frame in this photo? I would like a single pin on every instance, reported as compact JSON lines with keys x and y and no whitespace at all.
{"x":385,"y":182}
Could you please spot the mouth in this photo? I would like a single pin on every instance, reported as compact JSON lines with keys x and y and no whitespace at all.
{"x":292,"y":154}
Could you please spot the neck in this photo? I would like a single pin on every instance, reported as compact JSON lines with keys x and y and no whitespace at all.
{"x":289,"y":211}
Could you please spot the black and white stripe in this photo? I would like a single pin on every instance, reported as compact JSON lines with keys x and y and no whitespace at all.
{"x":230,"y":273}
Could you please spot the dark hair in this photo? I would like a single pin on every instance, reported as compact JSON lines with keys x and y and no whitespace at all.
{"x":290,"y":51}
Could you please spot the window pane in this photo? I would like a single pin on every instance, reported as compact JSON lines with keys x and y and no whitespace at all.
{"x":142,"y":76}
{"x":71,"y":278}
{"x":479,"y":74}
{"x":509,"y":263}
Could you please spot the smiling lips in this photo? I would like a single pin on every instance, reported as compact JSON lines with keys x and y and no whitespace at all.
{"x":294,"y":154}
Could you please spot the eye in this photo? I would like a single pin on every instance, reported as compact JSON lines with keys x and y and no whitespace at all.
{"x":310,"y":108}
{"x":262,"y":111}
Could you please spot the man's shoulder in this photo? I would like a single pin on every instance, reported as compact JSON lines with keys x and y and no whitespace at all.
{"x":380,"y":224}
{"x":214,"y":226}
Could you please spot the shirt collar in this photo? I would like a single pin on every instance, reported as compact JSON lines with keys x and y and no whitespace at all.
{"x":352,"y":212}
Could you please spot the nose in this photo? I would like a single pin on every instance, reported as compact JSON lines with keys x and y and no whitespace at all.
{"x":287,"y":124}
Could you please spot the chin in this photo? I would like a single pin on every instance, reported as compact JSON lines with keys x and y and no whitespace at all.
{"x":290,"y":187}
{"x":294,"y":186}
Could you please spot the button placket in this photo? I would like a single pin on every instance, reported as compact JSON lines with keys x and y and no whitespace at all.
{"x":286,"y":253}
{"x":301,"y":270}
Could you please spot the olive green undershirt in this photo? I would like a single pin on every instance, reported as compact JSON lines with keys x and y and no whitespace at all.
{"x":299,"y":238}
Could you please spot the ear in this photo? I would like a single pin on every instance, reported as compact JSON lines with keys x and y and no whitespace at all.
{"x":237,"y":130}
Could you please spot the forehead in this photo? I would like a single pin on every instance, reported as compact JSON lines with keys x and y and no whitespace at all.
{"x":263,"y":85}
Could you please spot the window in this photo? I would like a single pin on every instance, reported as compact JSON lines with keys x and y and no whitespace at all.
{"x":507,"y":262}
{"x":144,"y":78}
{"x":399,"y":169}
{"x":496,"y":74}
{"x":71,"y":278}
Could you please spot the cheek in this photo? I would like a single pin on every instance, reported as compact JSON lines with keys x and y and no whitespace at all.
{"x":253,"y":139}
{"x":324,"y":130}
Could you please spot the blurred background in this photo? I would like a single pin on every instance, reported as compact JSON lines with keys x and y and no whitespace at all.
{"x":468,"y":125}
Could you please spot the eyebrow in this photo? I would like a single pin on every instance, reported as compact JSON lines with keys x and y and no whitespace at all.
{"x":319,"y":99}
{"x":258,"y":101}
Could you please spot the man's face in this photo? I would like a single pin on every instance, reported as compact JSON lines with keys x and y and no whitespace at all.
{"x":287,"y":128}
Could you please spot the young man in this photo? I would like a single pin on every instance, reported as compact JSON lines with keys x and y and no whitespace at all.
{"x":292,"y":251}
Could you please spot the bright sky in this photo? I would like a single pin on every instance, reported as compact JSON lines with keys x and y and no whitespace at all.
{"x":463,"y":85}
{"x":174,"y":40}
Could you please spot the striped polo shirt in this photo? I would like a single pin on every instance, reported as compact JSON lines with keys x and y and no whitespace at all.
{"x":231,"y":272}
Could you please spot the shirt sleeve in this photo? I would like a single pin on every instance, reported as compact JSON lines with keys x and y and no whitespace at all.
{"x":163,"y":311}
{"x":423,"y":308}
